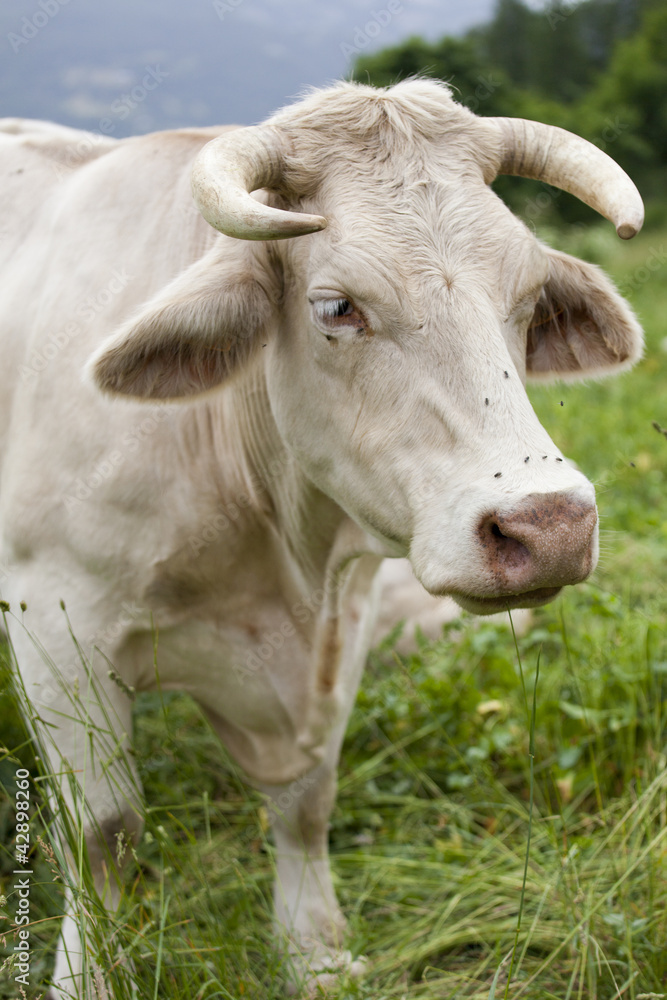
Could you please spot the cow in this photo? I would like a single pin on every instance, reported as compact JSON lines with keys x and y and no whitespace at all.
{"x":242,"y":367}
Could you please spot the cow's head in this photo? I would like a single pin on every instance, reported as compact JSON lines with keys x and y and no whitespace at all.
{"x":400,"y":332}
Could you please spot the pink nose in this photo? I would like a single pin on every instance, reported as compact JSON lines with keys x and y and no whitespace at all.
{"x":548,"y":540}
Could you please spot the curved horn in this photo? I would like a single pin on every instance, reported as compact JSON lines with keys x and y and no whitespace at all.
{"x":232,"y":165}
{"x":551,"y":154}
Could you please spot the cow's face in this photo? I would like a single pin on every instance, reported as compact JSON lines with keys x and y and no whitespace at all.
{"x":398,"y":341}
{"x":397,"y":377}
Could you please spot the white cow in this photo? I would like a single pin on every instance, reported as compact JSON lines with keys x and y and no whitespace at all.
{"x":315,"y":404}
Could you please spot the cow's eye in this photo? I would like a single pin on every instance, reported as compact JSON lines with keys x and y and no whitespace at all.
{"x":331,"y":310}
{"x":338,"y":314}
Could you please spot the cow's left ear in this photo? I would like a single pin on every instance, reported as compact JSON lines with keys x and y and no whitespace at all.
{"x":582,"y":327}
{"x":196,"y":332}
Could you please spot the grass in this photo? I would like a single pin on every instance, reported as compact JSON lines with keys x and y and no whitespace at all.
{"x":429,"y":836}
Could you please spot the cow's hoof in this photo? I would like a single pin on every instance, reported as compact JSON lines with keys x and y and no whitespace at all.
{"x":322,"y":976}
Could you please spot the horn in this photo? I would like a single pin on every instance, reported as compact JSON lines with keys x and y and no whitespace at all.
{"x":551,"y":154}
{"x":232,"y":165}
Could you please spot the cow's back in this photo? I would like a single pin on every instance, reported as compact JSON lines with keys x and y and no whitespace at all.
{"x":89,"y":228}
{"x":36,"y":159}
{"x":92,"y":228}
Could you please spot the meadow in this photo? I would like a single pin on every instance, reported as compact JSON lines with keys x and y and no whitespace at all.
{"x":502,"y":803}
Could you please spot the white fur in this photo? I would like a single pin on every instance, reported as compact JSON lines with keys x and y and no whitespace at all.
{"x":246,"y":524}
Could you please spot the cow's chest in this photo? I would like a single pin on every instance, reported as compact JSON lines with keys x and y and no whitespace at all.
{"x":271,"y":660}
{"x":251,"y":680}
{"x":273,"y":671}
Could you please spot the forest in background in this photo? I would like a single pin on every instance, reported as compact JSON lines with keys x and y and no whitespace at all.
{"x":597,"y":68}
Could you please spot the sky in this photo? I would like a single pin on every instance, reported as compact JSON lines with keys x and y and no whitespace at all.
{"x":131,"y":66}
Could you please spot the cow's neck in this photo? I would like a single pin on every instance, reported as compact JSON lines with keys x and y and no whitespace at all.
{"x":320,"y":542}
{"x":310,"y":524}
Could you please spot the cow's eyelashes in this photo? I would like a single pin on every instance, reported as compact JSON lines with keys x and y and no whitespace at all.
{"x":338,"y":314}
{"x":332,"y":310}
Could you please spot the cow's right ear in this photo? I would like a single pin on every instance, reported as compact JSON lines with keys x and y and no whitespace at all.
{"x":582,"y":327}
{"x":194,"y":333}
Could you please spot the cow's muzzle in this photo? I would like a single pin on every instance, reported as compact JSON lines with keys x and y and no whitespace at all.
{"x":531,"y":551}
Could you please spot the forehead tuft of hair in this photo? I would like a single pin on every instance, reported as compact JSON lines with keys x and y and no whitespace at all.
{"x":358,"y":123}
{"x":414,"y":107}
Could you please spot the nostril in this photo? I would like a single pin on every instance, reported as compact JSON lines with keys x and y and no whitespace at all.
{"x":508,"y":552}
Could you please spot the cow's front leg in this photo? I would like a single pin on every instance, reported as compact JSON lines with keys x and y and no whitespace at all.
{"x":307,"y":913}
{"x":83,"y":734}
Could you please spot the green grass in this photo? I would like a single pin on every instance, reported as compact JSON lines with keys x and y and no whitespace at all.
{"x":429,"y":836}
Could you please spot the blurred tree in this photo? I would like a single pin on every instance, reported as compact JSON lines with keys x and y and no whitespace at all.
{"x":509,"y":40}
{"x":457,"y":61}
{"x":629,"y":103}
{"x":598,"y":68}
{"x":558,"y":52}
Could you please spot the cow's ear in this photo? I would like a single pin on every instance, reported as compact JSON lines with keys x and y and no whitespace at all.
{"x":196,"y":332}
{"x":582,"y":327}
